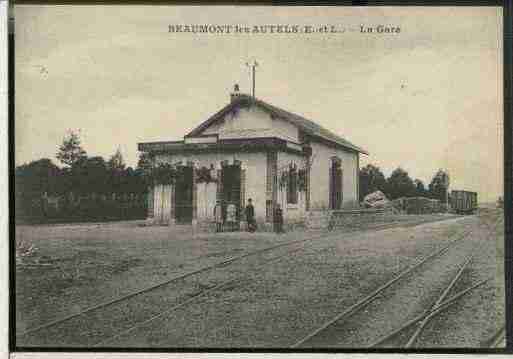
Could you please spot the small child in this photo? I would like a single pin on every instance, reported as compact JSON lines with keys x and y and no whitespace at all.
{"x":231,"y":216}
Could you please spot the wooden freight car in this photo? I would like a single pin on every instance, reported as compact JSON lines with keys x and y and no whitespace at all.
{"x":463,"y":202}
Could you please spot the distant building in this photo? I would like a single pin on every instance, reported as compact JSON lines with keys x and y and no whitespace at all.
{"x":252,"y":149}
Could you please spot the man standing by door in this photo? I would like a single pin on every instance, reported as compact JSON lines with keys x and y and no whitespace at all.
{"x":278,"y":219}
{"x":218,"y":216}
{"x":250,"y":216}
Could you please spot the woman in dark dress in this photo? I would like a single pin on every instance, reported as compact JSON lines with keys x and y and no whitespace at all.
{"x":278,"y":219}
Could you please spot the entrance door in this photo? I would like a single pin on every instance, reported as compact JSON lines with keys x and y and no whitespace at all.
{"x":183,"y":196}
{"x":231,"y":179}
{"x":336,"y":184}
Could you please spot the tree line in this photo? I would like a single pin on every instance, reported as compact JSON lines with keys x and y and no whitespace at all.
{"x":85,"y":187}
{"x":400,"y":184}
{"x":90,"y":187}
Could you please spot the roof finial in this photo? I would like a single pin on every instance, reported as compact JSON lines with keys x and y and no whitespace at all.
{"x":236,"y":93}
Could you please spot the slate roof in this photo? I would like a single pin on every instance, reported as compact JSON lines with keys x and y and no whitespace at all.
{"x":306,"y":125}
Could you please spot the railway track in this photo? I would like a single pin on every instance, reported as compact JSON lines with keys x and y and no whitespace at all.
{"x":117,"y":315}
{"x":410,"y":330}
{"x":442,"y":303}
{"x":108,"y":319}
{"x":499,"y":339}
{"x":188,"y":301}
{"x":327,"y":333}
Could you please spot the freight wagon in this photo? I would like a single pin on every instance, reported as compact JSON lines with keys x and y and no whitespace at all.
{"x":464,"y":202}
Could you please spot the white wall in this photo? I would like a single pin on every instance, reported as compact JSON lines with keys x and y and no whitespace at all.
{"x":319,"y":176}
{"x":162,"y":204}
{"x":206,"y":200}
{"x":255,"y":165}
{"x":291,"y":212}
{"x":253,"y":122}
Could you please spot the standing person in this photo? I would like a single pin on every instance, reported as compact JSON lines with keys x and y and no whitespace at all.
{"x":250,"y":216}
{"x":231,"y":216}
{"x":218,"y":215}
{"x":278,"y":219}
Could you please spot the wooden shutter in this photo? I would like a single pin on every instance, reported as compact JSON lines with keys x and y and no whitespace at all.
{"x":219,"y":191}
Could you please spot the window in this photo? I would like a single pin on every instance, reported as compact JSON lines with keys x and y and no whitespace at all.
{"x":268,"y":211}
{"x":292,"y":185}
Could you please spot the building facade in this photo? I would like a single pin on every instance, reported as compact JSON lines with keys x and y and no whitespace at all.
{"x":252,"y":149}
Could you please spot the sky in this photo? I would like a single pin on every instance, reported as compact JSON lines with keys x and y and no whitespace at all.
{"x":426,"y":98}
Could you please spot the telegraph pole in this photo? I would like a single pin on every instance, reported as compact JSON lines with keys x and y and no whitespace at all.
{"x":253,"y":66}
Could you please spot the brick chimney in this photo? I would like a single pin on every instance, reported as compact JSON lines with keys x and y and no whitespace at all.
{"x":236,"y":93}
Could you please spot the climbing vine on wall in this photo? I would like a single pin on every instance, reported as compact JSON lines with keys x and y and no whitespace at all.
{"x":283,"y":179}
{"x":204,"y":175}
{"x":301,"y":180}
{"x":164,"y":173}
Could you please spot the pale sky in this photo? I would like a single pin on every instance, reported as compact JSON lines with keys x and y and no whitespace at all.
{"x":429,"y":97}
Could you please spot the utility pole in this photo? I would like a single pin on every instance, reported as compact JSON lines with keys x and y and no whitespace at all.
{"x":253,"y":66}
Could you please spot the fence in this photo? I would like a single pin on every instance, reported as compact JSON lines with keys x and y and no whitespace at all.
{"x":87,"y":208}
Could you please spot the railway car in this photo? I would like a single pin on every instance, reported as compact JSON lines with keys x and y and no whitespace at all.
{"x":463,"y":202}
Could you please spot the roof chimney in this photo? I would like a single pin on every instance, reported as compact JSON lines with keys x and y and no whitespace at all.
{"x":236,"y":93}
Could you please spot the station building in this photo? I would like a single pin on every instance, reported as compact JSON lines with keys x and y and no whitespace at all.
{"x":252,"y":149}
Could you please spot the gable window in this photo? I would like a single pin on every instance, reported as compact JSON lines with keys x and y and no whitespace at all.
{"x":292,"y":185}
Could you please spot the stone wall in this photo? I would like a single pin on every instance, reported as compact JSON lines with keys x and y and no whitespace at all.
{"x":317,"y":220}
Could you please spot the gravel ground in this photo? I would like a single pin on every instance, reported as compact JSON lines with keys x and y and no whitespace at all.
{"x":404,"y":300}
{"x":285,"y":301}
{"x":478,"y":316}
{"x":90,"y":264}
{"x":96,"y":325}
{"x":80,"y":265}
{"x":276,"y":298}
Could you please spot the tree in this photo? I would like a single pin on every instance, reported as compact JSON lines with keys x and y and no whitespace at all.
{"x":371,"y":180}
{"x":116,"y":162}
{"x":420,"y":189}
{"x":90,"y":175}
{"x":38,"y":177}
{"x":145,"y":167}
{"x":399,"y":184}
{"x":117,"y":176}
{"x":439,"y":186}
{"x":70,"y":150}
{"x":145,"y":161}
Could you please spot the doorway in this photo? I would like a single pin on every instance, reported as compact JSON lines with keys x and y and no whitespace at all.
{"x":183,"y":195}
{"x":231,"y":187}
